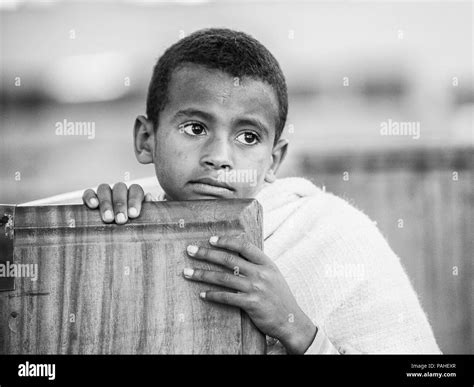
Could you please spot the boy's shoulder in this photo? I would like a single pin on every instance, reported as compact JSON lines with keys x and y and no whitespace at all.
{"x":298,"y":194}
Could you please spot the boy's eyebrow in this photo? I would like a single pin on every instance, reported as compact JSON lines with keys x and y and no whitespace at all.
{"x":194,"y":112}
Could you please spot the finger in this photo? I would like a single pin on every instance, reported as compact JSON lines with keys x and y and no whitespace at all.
{"x":120,"y":199}
{"x":227,"y":298}
{"x":104,"y":193}
{"x":135,"y":199}
{"x":220,"y":278}
{"x":221,"y":257}
{"x":243,"y":247}
{"x":90,"y":198}
{"x":149,"y":197}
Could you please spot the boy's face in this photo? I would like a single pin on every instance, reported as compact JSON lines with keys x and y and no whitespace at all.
{"x":213,"y":126}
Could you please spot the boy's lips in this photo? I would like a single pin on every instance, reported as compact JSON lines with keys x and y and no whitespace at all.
{"x":213,"y":187}
{"x":213,"y":182}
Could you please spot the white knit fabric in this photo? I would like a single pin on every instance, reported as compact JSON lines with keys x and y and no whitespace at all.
{"x":339,"y":267}
{"x":341,"y":271}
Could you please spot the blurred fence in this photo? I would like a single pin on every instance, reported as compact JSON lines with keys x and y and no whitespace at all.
{"x":423,"y":202}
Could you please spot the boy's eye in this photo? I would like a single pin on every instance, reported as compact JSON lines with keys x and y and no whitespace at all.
{"x":248,"y":138}
{"x":193,"y":129}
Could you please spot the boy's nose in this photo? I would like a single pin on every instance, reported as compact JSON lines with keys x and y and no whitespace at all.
{"x":217,"y":154}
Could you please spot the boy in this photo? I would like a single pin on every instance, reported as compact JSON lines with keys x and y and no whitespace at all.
{"x":326,"y":282}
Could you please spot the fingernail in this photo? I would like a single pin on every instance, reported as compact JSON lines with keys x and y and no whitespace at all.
{"x":108,"y":215}
{"x":121,"y":218}
{"x":94,"y":202}
{"x":188,"y":272}
{"x":192,"y":249}
{"x":202,"y":294}
{"x":132,"y":211}
{"x":213,"y":239}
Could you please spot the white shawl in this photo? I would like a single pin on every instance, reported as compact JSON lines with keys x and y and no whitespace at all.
{"x":343,"y":273}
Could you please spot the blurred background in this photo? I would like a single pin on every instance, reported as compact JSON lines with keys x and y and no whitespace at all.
{"x":381,"y":108}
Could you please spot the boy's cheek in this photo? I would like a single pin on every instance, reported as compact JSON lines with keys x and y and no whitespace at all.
{"x":253,"y":184}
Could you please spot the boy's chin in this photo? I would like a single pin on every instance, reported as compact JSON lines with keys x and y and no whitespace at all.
{"x":199,"y":196}
{"x":200,"y":191}
{"x":218,"y":197}
{"x":207,"y":196}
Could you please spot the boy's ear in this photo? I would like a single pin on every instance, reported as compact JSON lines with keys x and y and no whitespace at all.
{"x":278,"y":155}
{"x":144,"y":137}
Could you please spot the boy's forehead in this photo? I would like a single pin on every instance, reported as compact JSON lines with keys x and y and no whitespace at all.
{"x":195,"y":85}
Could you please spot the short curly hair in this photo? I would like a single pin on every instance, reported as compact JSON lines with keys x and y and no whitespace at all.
{"x":233,"y":52}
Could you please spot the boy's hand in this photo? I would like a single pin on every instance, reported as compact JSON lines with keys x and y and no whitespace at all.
{"x":259,"y":288}
{"x":119,"y":203}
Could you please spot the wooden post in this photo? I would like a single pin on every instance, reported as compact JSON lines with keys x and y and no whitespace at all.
{"x":86,"y":287}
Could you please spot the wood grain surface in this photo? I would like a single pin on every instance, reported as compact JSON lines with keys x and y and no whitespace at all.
{"x":110,"y":289}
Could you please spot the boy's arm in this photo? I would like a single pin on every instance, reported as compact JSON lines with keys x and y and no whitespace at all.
{"x":321,"y":345}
